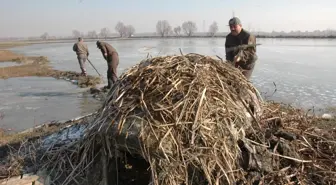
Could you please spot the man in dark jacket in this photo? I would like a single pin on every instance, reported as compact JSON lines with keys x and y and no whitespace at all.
{"x":244,"y":59}
{"x":110,"y":54}
{"x":82,"y":52}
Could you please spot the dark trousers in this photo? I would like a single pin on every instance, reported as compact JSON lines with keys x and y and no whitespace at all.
{"x":112,"y":64}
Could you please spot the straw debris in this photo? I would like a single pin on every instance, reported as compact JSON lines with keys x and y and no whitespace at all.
{"x":192,"y":119}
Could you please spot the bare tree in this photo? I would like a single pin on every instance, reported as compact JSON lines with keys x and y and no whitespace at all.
{"x":76,"y":33}
{"x":171,"y":32}
{"x":92,"y":34}
{"x":121,"y":29}
{"x":45,"y":36}
{"x":213,"y":29}
{"x":163,"y":28}
{"x":177,"y":30}
{"x":104,"y":32}
{"x":130,"y":30}
{"x":189,"y":28}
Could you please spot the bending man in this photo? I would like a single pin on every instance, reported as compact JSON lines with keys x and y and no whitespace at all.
{"x":244,"y":59}
{"x":82,"y":52}
{"x":111,"y":56}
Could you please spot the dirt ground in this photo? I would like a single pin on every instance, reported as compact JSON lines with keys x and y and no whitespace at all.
{"x":6,"y":55}
{"x":39,"y":66}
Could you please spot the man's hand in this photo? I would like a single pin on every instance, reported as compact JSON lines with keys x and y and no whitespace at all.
{"x":105,"y":54}
{"x":236,"y":59}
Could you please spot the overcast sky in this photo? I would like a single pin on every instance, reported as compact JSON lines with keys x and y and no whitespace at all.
{"x":60,"y":17}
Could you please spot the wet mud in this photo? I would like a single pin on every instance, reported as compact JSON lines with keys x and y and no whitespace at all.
{"x":98,"y":93}
{"x":76,"y":78}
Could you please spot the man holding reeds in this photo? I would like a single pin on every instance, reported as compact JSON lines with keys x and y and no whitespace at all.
{"x":243,"y":59}
{"x":82,"y":52}
{"x":110,"y":54}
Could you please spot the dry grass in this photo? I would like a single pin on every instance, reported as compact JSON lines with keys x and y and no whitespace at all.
{"x":39,"y":66}
{"x":35,"y":66}
{"x":303,"y":150}
{"x":6,"y":55}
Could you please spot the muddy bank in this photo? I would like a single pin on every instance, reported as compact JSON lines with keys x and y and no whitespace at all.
{"x":33,"y":66}
{"x":6,"y":56}
{"x":98,"y":93}
{"x":76,"y":78}
{"x":40,"y":66}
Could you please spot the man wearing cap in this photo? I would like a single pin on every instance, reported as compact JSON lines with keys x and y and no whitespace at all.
{"x":244,"y":59}
{"x":110,"y":54}
{"x":82,"y":52}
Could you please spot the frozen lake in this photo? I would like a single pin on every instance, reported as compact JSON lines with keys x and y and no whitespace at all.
{"x":303,"y":71}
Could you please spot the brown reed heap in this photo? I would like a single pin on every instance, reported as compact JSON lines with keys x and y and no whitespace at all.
{"x":189,"y":113}
{"x":195,"y":120}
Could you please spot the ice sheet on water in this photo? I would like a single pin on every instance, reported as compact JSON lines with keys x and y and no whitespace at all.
{"x":36,"y":100}
{"x":8,"y":64}
{"x":67,"y":135}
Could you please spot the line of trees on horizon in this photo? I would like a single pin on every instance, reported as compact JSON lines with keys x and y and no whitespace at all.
{"x":187,"y":29}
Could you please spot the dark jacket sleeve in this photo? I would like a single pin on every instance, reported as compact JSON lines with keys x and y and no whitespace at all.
{"x":228,"y":55}
{"x":103,"y":50}
{"x":74,"y":47}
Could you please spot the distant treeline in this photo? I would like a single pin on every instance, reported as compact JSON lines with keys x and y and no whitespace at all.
{"x":179,"y":37}
{"x":164,"y":29}
{"x":65,"y":40}
{"x":297,"y":36}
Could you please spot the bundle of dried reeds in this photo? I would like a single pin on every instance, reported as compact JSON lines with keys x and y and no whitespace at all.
{"x":192,"y":109}
{"x":190,"y":118}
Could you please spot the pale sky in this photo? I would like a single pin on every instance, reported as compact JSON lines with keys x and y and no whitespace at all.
{"x":60,"y":17}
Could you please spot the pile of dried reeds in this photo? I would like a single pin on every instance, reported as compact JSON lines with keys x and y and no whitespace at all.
{"x":192,"y":115}
{"x":195,"y":120}
{"x":300,"y":148}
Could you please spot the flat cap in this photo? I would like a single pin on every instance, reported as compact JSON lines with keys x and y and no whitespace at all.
{"x":234,"y":21}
